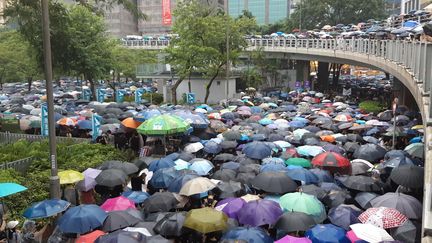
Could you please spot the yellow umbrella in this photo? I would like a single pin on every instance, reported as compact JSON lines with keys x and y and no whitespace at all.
{"x":70,"y":176}
{"x":206,"y":220}
{"x":417,"y":127}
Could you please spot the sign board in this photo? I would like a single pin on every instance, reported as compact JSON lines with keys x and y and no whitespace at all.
{"x":120,"y":95}
{"x":96,"y":123}
{"x":86,"y":94}
{"x":44,"y":121}
{"x":346,"y":91}
{"x":100,"y":95}
{"x":190,"y":98}
{"x":306,"y":84}
{"x":138,"y":94}
{"x":298,"y":84}
{"x":166,"y":12}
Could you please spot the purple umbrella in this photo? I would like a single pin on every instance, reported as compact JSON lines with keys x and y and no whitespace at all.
{"x":89,"y":181}
{"x":230,"y":206}
{"x":260,"y":212}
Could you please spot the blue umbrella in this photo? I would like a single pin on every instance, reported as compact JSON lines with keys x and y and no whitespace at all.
{"x":201,"y":166}
{"x":82,"y":219}
{"x":301,"y":119}
{"x":136,"y":196}
{"x":344,"y":216}
{"x":205,"y":106}
{"x":173,"y":156}
{"x":416,"y":140}
{"x":195,"y":120}
{"x":309,"y":150}
{"x":231,"y":165}
{"x":303,"y":175}
{"x":248,"y":234}
{"x":410,"y":24}
{"x":161,"y":164}
{"x":257,"y":150}
{"x":327,"y":233}
{"x":256,"y":109}
{"x":273,"y":160}
{"x":163,"y":177}
{"x":178,"y":182}
{"x":372,"y":131}
{"x":212,"y":147}
{"x":84,"y":124}
{"x":265,"y":121}
{"x":273,"y":167}
{"x":7,"y":189}
{"x":228,"y":116}
{"x":46,"y":208}
{"x":323,"y":175}
{"x":296,"y":124}
{"x":181,"y":164}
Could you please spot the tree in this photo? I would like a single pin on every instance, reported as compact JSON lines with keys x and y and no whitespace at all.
{"x":89,"y":46}
{"x":17,"y":59}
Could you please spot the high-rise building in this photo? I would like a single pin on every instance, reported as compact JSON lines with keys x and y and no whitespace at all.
{"x":2,"y":6}
{"x":265,"y":11}
{"x":120,"y":22}
{"x":410,"y":5}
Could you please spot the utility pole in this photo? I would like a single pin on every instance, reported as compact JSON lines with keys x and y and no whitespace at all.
{"x":227,"y":47}
{"x":54,"y":179}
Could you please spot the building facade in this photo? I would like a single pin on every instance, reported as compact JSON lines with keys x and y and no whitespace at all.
{"x":2,"y":6}
{"x":120,"y":22}
{"x":265,"y":11}
{"x":410,"y":5}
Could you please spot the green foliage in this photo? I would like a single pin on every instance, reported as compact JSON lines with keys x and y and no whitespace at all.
{"x":155,"y":98}
{"x":371,"y":106}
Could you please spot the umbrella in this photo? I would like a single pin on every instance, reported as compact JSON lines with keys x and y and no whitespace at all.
{"x":117,"y":203}
{"x":163,"y":177}
{"x":383,"y":217}
{"x":82,"y":219}
{"x":333,"y":162}
{"x":212,"y":147}
{"x":111,"y":178}
{"x":406,"y":204}
{"x":257,"y":150}
{"x":136,"y":196}
{"x":193,"y":147}
{"x":248,"y":234}
{"x":205,"y":220}
{"x":408,"y":175}
{"x":46,"y":208}
{"x":351,"y":146}
{"x":122,"y":236}
{"x":305,"y":203}
{"x":360,"y":183}
{"x":130,"y":123}
{"x":66,"y":122}
{"x":415,"y":150}
{"x":274,"y":182}
{"x":196,"y":186}
{"x":201,"y":166}
{"x":160,"y":202}
{"x":231,"y":135}
{"x":364,"y":199}
{"x":178,"y":182}
{"x":90,"y":237}
{"x":171,"y":224}
{"x":408,"y":232}
{"x":292,"y":239}
{"x":344,"y":215}
{"x":163,"y":125}
{"x":7,"y":189}
{"x":323,"y":175}
{"x":313,"y":190}
{"x":161,"y":163}
{"x":224,"y":175}
{"x":230,"y":189}
{"x":360,"y":166}
{"x":303,"y":175}
{"x":273,"y":167}
{"x":118,"y":220}
{"x":299,"y":161}
{"x":327,"y":233}
{"x":370,"y":152}
{"x":259,"y":212}
{"x":230,"y":206}
{"x":309,"y":150}
{"x":370,"y":233}
{"x":294,"y":221}
{"x":70,"y":176}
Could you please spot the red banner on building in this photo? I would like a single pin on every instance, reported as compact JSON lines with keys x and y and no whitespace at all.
{"x":166,"y":12}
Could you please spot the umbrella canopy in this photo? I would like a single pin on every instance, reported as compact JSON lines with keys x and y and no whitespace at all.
{"x":303,"y":175}
{"x":294,"y":221}
{"x":364,"y":199}
{"x":130,"y":123}
{"x":7,"y":189}
{"x":82,"y":219}
{"x":327,"y":233}
{"x":118,"y":203}
{"x":292,"y":239}
{"x":247,"y":234}
{"x":310,"y":150}
{"x":90,"y":237}
{"x":370,"y":152}
{"x":136,"y":196}
{"x":163,"y":125}
{"x":201,"y":166}
{"x":344,"y":215}
{"x":70,"y":176}
{"x":415,"y":150}
{"x":193,"y":147}
{"x":196,"y":186}
{"x":305,"y":203}
{"x":205,"y":220}
{"x":119,"y":220}
{"x":383,"y":217}
{"x":299,"y":161}
{"x":406,"y":204}
{"x":171,"y":224}
{"x":332,"y":161}
{"x":122,"y":236}
{"x":408,"y":175}
{"x":370,"y":233}
{"x":259,"y":212}
{"x":360,"y":183}
{"x":257,"y":150}
{"x":46,"y":208}
{"x":230,"y":206}
{"x":111,"y":178}
{"x":274,"y":182}
{"x":160,"y":202}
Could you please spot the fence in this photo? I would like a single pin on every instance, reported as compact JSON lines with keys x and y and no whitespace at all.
{"x":7,"y":137}
{"x":19,"y":165}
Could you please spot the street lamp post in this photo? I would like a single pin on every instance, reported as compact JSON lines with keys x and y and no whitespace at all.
{"x":54,"y":179}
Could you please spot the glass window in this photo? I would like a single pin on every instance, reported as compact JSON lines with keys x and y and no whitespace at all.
{"x":278,"y":10}
{"x":258,"y":9}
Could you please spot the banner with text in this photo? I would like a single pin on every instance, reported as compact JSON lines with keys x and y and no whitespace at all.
{"x":44,"y":122}
{"x":166,"y":12}
{"x":119,"y":96}
{"x":138,"y":94}
{"x":96,"y":123}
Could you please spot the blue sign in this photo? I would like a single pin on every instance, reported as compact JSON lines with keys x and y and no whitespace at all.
{"x":86,"y":94}
{"x":96,"y":123}
{"x":100,"y":95}
{"x":120,"y":95}
{"x":190,"y":98}
{"x":44,"y":122}
{"x":138,"y":94}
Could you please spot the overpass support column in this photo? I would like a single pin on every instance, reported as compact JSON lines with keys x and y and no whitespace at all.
{"x":302,"y":70}
{"x":323,"y":76}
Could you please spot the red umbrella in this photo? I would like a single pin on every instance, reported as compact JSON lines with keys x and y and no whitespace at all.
{"x":334,"y":162}
{"x":383,"y":217}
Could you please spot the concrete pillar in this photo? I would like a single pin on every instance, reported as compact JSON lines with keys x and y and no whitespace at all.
{"x":323,"y":76}
{"x":302,"y":70}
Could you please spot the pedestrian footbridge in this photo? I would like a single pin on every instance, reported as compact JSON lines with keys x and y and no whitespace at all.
{"x":409,"y":62}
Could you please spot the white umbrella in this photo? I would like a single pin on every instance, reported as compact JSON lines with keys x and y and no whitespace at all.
{"x":143,"y":231}
{"x":193,"y":147}
{"x":36,"y":111}
{"x":28,"y":107}
{"x":196,"y":186}
{"x":370,"y":233}
{"x":282,"y":144}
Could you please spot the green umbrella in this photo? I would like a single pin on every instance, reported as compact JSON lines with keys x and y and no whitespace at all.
{"x":305,"y":203}
{"x":298,"y":161}
{"x":163,"y":125}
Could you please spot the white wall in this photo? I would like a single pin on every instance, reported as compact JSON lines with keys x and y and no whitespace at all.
{"x":218,"y":90}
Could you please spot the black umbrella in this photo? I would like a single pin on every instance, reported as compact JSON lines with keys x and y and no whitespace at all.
{"x":354,"y":138}
{"x":224,"y":157}
{"x":385,"y":115}
{"x":111,"y":178}
{"x":274,"y":182}
{"x":140,"y":163}
{"x":408,"y":232}
{"x":170,"y":225}
{"x":228,"y":144}
{"x":294,"y":221}
{"x":160,"y":202}
{"x":336,"y":198}
{"x":245,"y":178}
{"x":230,"y":189}
{"x":121,"y":236}
{"x":408,"y":176}
{"x":322,"y":120}
{"x":275,"y":137}
{"x":406,"y":204}
{"x":359,"y":168}
{"x":360,"y":183}
{"x":344,"y":216}
{"x":312,"y":129}
{"x":224,"y":175}
{"x":249,"y":168}
{"x":232,"y":135}
{"x":157,"y":239}
{"x":314,"y":190}
{"x":119,"y":220}
{"x":364,"y":199}
{"x":351,"y":146}
{"x":370,"y":152}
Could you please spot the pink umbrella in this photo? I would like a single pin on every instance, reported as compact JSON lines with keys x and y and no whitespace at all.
{"x":118,"y":203}
{"x":292,"y":239}
{"x":352,"y":236}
